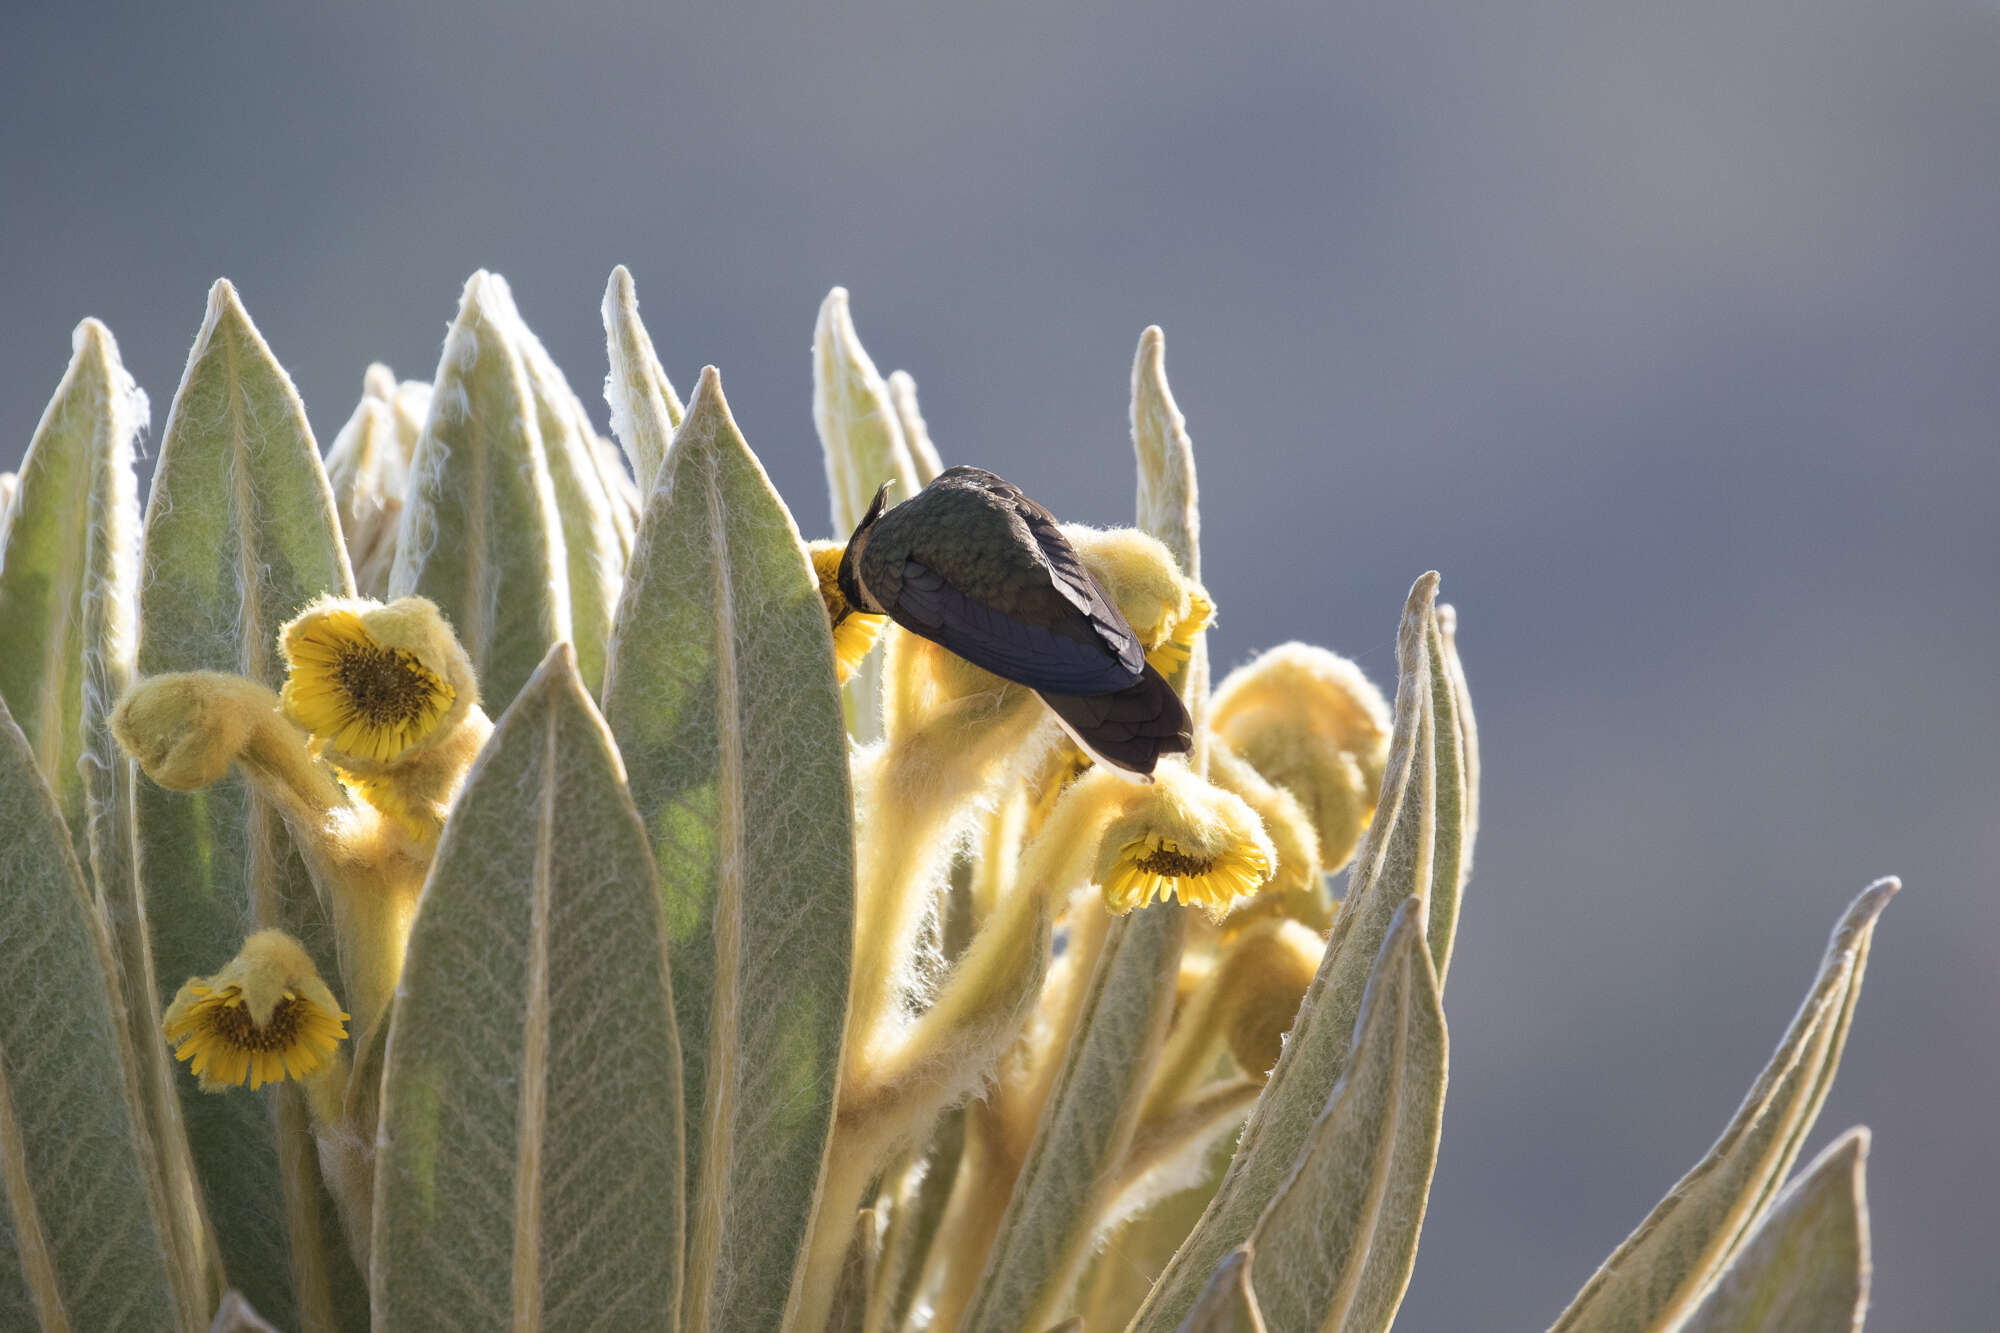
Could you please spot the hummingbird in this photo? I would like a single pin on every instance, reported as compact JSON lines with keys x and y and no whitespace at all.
{"x":975,"y":566}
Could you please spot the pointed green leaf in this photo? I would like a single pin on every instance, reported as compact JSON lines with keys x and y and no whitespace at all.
{"x":1805,"y":1269}
{"x":1227,"y":1304}
{"x":1071,"y":1171}
{"x":1335,"y":1248}
{"x":644,"y":411}
{"x":858,"y":426}
{"x":368,"y":469}
{"x":1397,"y":860}
{"x":597,"y":532}
{"x":68,"y":593}
{"x":236,"y":1315}
{"x":481,"y":534}
{"x":720,"y":692}
{"x":84,"y":1241}
{"x":862,"y":439}
{"x":1458,"y":789}
{"x":1649,"y":1281}
{"x":240,"y":534}
{"x":1168,"y":506}
{"x":67,"y":578}
{"x":529,"y":1173}
{"x":903,"y":393}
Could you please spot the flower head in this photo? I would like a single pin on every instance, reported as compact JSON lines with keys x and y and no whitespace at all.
{"x":854,"y":632}
{"x":264,"y":1018}
{"x":1165,"y":608}
{"x":373,"y":681}
{"x":1178,"y":835}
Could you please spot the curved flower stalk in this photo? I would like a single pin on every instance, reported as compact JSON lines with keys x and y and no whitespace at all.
{"x":727,"y":1003}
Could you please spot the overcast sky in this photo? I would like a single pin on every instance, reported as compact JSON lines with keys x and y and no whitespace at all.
{"x":1670,"y":334}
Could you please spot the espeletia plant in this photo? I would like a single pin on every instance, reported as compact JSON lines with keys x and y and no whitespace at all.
{"x":491,"y":878}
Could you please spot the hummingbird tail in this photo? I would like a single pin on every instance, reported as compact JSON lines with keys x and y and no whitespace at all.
{"x":1129,"y":729}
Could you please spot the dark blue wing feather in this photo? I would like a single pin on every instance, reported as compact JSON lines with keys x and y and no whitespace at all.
{"x":1009,"y":647}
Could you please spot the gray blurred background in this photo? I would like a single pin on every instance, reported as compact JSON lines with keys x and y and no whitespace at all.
{"x":1669,"y":333}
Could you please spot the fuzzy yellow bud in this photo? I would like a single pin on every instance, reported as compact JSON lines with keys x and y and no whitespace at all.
{"x":1260,"y":983}
{"x":186,"y":729}
{"x":264,"y":1018}
{"x":1309,"y":721}
{"x":1165,"y":608}
{"x":1297,"y":888}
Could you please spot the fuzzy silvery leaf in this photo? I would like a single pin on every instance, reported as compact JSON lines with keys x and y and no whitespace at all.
{"x":1227,"y":1304}
{"x":1169,"y":500}
{"x":861,"y":437}
{"x":1454,"y":788}
{"x":1334,"y":1250}
{"x":482,"y":536}
{"x":84,"y":1237}
{"x":645,"y":413}
{"x":720,"y":692}
{"x":1805,"y":1269}
{"x":1072,"y":1168}
{"x":240,"y":534}
{"x":914,"y":1216}
{"x":1398,"y":859}
{"x":924,"y":454}
{"x":68,"y":597}
{"x":597,"y":531}
{"x":1649,"y":1282}
{"x":529,"y":1170}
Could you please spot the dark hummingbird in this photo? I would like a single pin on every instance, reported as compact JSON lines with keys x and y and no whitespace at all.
{"x":972,"y":564}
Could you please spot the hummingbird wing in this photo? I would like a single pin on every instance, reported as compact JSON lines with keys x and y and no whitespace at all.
{"x":973,"y":564}
{"x":1130,"y":729}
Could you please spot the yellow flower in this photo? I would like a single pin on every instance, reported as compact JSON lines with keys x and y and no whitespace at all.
{"x":1179,"y":835}
{"x":264,"y":1018}
{"x":364,"y":697}
{"x":854,"y":632}
{"x":1165,"y":608}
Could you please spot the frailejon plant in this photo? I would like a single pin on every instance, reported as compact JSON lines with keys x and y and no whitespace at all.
{"x":482,"y":880}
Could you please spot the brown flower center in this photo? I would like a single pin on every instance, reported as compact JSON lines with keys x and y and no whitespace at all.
{"x":232,"y":1024}
{"x":1174,"y":863}
{"x":385,"y":685}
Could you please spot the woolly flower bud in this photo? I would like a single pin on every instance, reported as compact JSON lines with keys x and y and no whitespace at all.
{"x":1178,"y":835}
{"x":854,"y":632}
{"x":1310,"y":722}
{"x":264,"y":1018}
{"x":1260,"y":984}
{"x":1297,"y":888}
{"x":1165,"y":608}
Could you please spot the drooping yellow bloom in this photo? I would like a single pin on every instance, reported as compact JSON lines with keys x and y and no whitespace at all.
{"x":1165,"y":608}
{"x":366,"y":698}
{"x":854,"y":632}
{"x":1182,"y":837}
{"x":264,"y":1018}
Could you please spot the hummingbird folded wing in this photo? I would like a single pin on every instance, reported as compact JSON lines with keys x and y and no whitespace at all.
{"x":1062,"y":650}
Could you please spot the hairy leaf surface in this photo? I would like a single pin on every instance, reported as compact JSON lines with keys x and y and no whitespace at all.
{"x":1649,"y":1282}
{"x":1072,"y":1167}
{"x":1334,"y":1250}
{"x":644,"y":411}
{"x":1397,"y":860}
{"x":240,"y":534}
{"x":84,"y":1238}
{"x":529,"y":1174}
{"x":1805,"y":1269}
{"x":481,"y":534}
{"x":720,"y":692}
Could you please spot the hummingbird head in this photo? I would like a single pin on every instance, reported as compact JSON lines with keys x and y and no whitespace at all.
{"x":851,"y":586}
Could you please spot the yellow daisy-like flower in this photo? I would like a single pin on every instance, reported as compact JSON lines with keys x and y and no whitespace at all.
{"x":854,"y":632}
{"x":364,"y":697}
{"x":264,"y":1018}
{"x":1182,"y":837}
